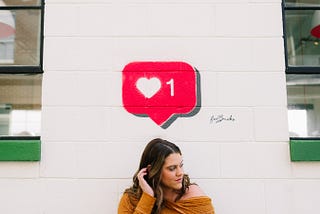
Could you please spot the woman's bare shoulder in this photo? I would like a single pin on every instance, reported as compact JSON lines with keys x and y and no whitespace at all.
{"x":193,"y":191}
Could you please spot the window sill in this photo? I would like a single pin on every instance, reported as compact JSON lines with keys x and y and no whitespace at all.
{"x":304,"y":149}
{"x":23,"y":149}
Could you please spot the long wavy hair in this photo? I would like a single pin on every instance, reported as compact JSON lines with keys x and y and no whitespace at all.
{"x":154,"y":154}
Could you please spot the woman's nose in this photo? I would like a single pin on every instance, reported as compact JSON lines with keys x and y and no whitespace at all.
{"x":179,"y":171}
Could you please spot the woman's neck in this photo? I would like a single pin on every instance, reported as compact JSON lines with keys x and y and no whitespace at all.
{"x":170,"y":194}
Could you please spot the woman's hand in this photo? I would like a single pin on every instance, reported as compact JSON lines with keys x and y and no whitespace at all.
{"x":143,"y":183}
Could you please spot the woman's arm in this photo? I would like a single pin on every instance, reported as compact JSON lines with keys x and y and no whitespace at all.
{"x":143,"y":206}
{"x":146,"y":202}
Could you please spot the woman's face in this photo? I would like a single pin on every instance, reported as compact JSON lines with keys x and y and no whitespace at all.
{"x":172,"y":172}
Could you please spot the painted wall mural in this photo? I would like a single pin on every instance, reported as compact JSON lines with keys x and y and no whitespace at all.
{"x":162,"y":91}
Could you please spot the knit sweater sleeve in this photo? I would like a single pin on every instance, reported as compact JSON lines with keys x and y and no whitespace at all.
{"x":143,"y":206}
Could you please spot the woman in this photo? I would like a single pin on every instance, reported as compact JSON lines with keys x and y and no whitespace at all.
{"x":160,"y":185}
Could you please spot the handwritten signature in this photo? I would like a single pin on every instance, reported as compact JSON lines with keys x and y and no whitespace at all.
{"x":220,"y":118}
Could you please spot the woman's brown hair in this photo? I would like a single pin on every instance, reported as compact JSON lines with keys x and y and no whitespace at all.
{"x":154,"y":155}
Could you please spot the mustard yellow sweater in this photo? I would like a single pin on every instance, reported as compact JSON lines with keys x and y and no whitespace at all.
{"x":194,"y":205}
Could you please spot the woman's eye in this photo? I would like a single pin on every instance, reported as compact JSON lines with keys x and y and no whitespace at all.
{"x":172,"y":168}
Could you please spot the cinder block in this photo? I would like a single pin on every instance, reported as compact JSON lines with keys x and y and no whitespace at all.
{"x":243,"y":19}
{"x":21,"y":196}
{"x":19,"y":169}
{"x":75,"y":123}
{"x":78,"y":54}
{"x":227,"y":54}
{"x":77,"y":89}
{"x":81,"y":1}
{"x":209,"y":89}
{"x":181,"y":19}
{"x":117,"y":19}
{"x":115,"y":87}
{"x":271,"y":124}
{"x":163,"y":49}
{"x":103,"y":160}
{"x":201,"y":159}
{"x":59,"y":160}
{"x":305,"y":196}
{"x":261,"y":24}
{"x":306,"y":169}
{"x":278,"y":195}
{"x":265,"y":1}
{"x":66,"y":24}
{"x":268,"y":54}
{"x":91,"y":196}
{"x":235,"y":196}
{"x":251,"y":89}
{"x":197,"y":1}
{"x":255,"y":160}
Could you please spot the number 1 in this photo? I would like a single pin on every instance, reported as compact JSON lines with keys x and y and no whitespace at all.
{"x":171,"y":83}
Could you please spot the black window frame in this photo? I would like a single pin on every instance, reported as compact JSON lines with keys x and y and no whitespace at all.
{"x":301,"y":148}
{"x":27,"y":69}
{"x":296,"y":69}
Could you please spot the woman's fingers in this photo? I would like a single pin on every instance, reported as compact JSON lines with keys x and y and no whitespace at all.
{"x":142,"y":172}
{"x":143,"y":183}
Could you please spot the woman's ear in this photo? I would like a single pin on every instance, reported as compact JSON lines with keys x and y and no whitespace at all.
{"x":148,"y":168}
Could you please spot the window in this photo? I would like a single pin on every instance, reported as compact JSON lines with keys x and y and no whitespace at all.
{"x":21,"y":38}
{"x":302,"y":33}
{"x":20,"y":107}
{"x":302,"y":42}
{"x":303,"y":92}
{"x":302,"y":46}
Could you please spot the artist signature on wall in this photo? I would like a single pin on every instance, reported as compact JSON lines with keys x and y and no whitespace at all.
{"x":215,"y":119}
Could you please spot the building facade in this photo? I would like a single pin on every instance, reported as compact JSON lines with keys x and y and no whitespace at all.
{"x":235,"y":145}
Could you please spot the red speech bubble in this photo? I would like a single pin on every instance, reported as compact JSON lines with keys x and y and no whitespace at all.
{"x":160,"y":90}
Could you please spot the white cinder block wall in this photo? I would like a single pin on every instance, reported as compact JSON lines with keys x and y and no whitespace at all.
{"x":91,"y":146}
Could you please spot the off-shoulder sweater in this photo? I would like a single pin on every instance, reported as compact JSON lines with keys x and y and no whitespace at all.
{"x":194,"y":205}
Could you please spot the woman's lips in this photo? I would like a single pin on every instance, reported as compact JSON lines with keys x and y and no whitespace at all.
{"x":179,"y":180}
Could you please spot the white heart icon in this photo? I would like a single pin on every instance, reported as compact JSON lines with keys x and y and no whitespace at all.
{"x":148,"y":87}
